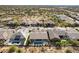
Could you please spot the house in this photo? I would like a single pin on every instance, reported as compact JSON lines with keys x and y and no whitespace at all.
{"x":24,"y":23}
{"x":6,"y":19}
{"x":38,"y":38}
{"x":11,"y":24}
{"x":5,"y":34}
{"x":32,"y":23}
{"x":73,"y":34}
{"x":53,"y":35}
{"x":19,"y":38}
{"x":76,"y":22}
{"x":49,"y":23}
{"x":46,"y":23}
{"x":66,"y":19}
{"x":60,"y":31}
{"x":38,"y":23}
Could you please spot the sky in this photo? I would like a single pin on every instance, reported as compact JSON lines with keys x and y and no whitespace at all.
{"x":39,"y":2}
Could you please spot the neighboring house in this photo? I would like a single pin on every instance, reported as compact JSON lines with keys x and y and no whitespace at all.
{"x":66,"y":19}
{"x":77,"y":17}
{"x":6,"y":19}
{"x":53,"y":35}
{"x":24,"y":23}
{"x":11,"y":24}
{"x":5,"y":34}
{"x":38,"y":23}
{"x":73,"y":34}
{"x":77,"y":22}
{"x":60,"y":31}
{"x":39,"y":38}
{"x":49,"y":23}
{"x":32,"y":23}
{"x":19,"y":38}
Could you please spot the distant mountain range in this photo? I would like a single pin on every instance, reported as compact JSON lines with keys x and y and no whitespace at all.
{"x":39,"y":6}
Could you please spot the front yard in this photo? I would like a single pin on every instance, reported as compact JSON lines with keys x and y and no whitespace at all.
{"x":21,"y":49}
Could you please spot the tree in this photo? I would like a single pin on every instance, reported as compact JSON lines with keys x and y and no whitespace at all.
{"x":27,"y":43}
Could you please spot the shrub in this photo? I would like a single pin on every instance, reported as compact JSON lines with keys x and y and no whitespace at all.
{"x":42,"y":49}
{"x":12,"y":49}
{"x":75,"y":43}
{"x":62,"y":43}
{"x":19,"y":50}
{"x":68,"y":51}
{"x":2,"y":42}
{"x":58,"y":44}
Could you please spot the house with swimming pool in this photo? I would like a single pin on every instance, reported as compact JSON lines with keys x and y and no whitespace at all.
{"x":19,"y":38}
{"x":39,"y":38}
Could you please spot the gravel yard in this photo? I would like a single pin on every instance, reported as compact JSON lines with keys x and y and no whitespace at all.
{"x":5,"y":49}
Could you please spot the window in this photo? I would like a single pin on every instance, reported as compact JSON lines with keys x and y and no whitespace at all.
{"x":38,"y":40}
{"x":17,"y":37}
{"x":15,"y":42}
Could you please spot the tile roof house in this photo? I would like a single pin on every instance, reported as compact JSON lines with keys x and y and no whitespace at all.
{"x":53,"y":35}
{"x":19,"y":38}
{"x":6,"y":19}
{"x":49,"y":23}
{"x":77,"y":22}
{"x":32,"y":23}
{"x":60,"y":31}
{"x":73,"y":34}
{"x":24,"y":23}
{"x":38,"y":38}
{"x":5,"y":34}
{"x":66,"y":19}
{"x":37,"y":23}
